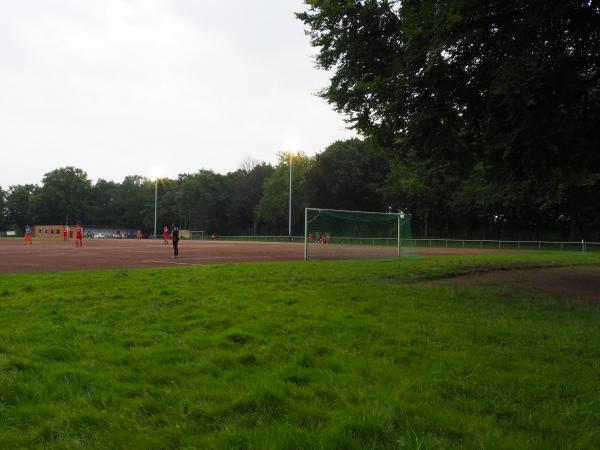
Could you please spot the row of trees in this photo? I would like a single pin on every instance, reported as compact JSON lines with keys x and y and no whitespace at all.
{"x":250,"y":200}
{"x":253,"y":200}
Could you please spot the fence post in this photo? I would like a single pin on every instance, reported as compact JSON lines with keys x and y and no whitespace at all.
{"x":582,"y":245}
{"x":539,"y":245}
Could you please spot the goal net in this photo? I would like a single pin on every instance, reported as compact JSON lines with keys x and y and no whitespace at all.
{"x":339,"y":234}
{"x":198,"y":234}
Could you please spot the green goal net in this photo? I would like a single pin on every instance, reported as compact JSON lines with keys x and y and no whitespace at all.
{"x":339,"y":234}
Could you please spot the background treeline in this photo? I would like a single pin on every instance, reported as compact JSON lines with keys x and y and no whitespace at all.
{"x":252,"y":200}
{"x":353,"y":174}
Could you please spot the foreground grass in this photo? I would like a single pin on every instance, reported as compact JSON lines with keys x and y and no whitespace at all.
{"x":297,"y":355}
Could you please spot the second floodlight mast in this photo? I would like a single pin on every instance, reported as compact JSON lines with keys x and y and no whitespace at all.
{"x":400,"y":217}
{"x":290,"y":205}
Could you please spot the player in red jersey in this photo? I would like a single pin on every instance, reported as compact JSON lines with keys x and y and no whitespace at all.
{"x":27,"y":235}
{"x":78,"y":235}
{"x":65,"y":232}
{"x":166,"y":235}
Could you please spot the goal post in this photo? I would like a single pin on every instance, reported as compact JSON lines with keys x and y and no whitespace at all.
{"x":197,"y":234}
{"x":343,"y":234}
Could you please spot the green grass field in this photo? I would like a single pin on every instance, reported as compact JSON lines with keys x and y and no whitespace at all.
{"x":355,"y":355}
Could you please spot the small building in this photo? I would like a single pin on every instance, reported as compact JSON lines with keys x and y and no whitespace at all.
{"x":89,"y":231}
{"x":49,"y":231}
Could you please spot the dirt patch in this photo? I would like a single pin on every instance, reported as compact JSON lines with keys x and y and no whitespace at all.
{"x":567,"y":282}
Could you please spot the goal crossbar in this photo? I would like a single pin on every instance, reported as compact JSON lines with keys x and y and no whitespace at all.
{"x":354,"y":227}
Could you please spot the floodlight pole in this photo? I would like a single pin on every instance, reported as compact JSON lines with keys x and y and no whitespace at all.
{"x":398,"y":235}
{"x":155,"y":204}
{"x":305,"y":233}
{"x":399,"y":216}
{"x":290,"y":203}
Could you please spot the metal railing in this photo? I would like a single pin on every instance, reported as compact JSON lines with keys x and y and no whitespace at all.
{"x":506,"y":244}
{"x":435,"y":242}
{"x":253,"y":238}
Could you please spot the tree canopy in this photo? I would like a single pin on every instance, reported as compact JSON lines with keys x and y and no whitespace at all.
{"x":274,"y":204}
{"x":347,"y":175}
{"x":507,"y":93}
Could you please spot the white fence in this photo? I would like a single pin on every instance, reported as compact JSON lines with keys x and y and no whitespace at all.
{"x":505,"y":244}
{"x":254,"y":238}
{"x":438,"y":243}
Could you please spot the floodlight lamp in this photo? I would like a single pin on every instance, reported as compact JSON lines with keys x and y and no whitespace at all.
{"x":157,"y":171}
{"x":291,"y":145}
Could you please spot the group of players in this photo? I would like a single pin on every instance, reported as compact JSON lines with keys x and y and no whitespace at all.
{"x":174,"y":235}
{"x":78,"y":235}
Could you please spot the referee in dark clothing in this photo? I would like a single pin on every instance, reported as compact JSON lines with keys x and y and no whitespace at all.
{"x":175,"y":239}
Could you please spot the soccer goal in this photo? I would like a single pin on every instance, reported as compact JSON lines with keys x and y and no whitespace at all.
{"x":340,"y":234}
{"x":198,"y":234}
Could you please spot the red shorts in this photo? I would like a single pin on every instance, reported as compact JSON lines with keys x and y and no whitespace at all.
{"x":78,"y":236}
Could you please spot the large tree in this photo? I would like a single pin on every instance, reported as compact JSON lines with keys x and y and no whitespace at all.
{"x":102,"y":203}
{"x":18,"y":205}
{"x":508,"y":90}
{"x":347,"y":175}
{"x":63,"y":197}
{"x":204,"y":199}
{"x":3,"y":210}
{"x":247,"y":186}
{"x":133,"y":203}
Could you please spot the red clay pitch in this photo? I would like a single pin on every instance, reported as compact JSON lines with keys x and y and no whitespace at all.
{"x":49,"y":255}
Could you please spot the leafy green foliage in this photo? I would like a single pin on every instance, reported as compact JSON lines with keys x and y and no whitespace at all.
{"x":273,"y":206}
{"x":18,"y":205}
{"x":205,"y":199}
{"x":247,"y":190}
{"x":63,"y":196}
{"x":3,"y":210}
{"x":507,"y":93}
{"x":347,"y":175}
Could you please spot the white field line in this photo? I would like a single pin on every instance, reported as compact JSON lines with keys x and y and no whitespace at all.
{"x":21,"y":264}
{"x":209,"y":258}
{"x":168,"y":262}
{"x":84,"y":250}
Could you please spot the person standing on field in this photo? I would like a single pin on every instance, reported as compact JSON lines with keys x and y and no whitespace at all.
{"x":65,"y":232}
{"x":27,"y":235}
{"x":175,"y":240}
{"x":78,"y":235}
{"x":166,"y":235}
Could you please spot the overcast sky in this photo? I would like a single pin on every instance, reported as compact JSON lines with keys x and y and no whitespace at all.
{"x":155,"y":87}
